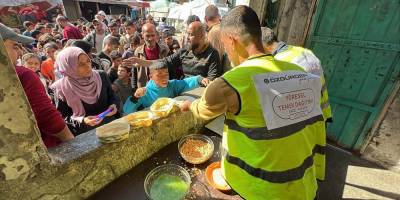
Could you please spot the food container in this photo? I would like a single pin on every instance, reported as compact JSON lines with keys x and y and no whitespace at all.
{"x":140,"y":119}
{"x":162,"y":107}
{"x":167,"y":182}
{"x":113,"y":132}
{"x":196,"y":148}
{"x":215,"y":178}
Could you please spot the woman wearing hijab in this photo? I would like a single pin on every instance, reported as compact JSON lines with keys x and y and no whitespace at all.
{"x":82,"y":93}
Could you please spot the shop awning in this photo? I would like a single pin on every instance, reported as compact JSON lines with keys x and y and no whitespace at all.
{"x":132,"y":3}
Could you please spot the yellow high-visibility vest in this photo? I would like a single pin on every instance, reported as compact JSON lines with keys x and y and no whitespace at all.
{"x":260,"y":162}
{"x":310,"y":63}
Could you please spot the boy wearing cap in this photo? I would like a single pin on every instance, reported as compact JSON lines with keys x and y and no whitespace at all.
{"x":52,"y":127}
{"x":96,"y":37}
{"x":172,"y":43}
{"x":29,"y":26}
{"x":159,"y":86}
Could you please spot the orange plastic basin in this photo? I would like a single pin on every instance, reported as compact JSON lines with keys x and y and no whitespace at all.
{"x":211,"y":174}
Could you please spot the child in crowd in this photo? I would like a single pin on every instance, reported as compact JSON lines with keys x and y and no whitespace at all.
{"x":116,"y":59}
{"x":122,"y":86}
{"x":159,"y":86}
{"x":32,"y":62}
{"x":47,"y":67}
{"x":131,"y":47}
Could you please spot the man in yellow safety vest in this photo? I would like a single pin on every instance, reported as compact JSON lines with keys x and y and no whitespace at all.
{"x":303,"y":57}
{"x":274,"y":134}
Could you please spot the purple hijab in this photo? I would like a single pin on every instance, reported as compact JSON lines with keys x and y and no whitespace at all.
{"x":72,"y":88}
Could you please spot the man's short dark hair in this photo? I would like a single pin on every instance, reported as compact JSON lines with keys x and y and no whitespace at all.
{"x":115,"y":55}
{"x":84,"y":45}
{"x":163,"y":19}
{"x":129,"y":23}
{"x":39,"y":27}
{"x":192,"y":18}
{"x":128,"y":69}
{"x":212,"y":12}
{"x":35,"y":33}
{"x":111,"y":40}
{"x":157,"y":65}
{"x":49,"y":25}
{"x":268,"y":36}
{"x":27,"y":24}
{"x":50,"y":45}
{"x":135,"y":39}
{"x":242,"y":21}
{"x":46,"y":38}
{"x":112,"y":24}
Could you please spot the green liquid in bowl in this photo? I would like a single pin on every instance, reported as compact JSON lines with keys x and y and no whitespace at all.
{"x":168,"y":187}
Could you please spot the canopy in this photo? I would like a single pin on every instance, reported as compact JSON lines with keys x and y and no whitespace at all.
{"x":132,"y":3}
{"x":23,"y":2}
{"x":196,"y":7}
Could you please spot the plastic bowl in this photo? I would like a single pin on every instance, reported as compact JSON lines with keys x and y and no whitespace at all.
{"x":214,"y":177}
{"x":167,"y":182}
{"x":140,"y":119}
{"x":196,"y":148}
{"x":113,"y":132}
{"x":162,"y":107}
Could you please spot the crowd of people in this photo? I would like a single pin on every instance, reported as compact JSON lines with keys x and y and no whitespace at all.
{"x":73,"y":71}
{"x":85,"y":68}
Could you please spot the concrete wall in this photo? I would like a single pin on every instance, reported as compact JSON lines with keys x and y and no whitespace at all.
{"x":71,"y":9}
{"x":384,"y":148}
{"x":294,"y":17}
{"x":74,"y":170}
{"x":260,"y":7}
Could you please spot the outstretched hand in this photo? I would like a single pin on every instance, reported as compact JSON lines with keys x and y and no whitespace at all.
{"x":114,"y":110}
{"x":205,"y":81}
{"x":185,"y":106}
{"x":131,"y":62}
{"x":140,"y":92}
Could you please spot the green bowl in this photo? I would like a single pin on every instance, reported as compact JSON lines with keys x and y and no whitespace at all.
{"x":167,"y":182}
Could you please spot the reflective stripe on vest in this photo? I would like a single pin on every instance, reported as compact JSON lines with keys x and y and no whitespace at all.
{"x":264,"y":134}
{"x":278,"y":176}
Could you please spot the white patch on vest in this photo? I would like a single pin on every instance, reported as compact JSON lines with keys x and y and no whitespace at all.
{"x":288,"y":97}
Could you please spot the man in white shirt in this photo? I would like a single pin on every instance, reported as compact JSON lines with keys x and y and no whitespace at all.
{"x":96,"y":37}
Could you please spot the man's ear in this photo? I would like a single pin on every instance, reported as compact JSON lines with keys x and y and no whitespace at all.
{"x":233,"y":41}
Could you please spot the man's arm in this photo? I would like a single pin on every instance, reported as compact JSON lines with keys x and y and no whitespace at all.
{"x":218,"y":98}
{"x":215,"y":67}
{"x":170,"y":61}
{"x":136,"y":62}
{"x":186,"y":84}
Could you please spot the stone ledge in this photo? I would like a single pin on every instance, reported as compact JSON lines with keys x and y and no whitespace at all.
{"x":88,"y":142}
{"x":83,"y":166}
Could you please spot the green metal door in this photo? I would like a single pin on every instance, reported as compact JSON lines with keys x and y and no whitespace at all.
{"x":358,"y":43}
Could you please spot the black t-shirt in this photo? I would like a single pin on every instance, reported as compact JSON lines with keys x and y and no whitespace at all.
{"x":112,"y":74}
{"x":207,"y":64}
{"x":104,"y":65}
{"x":103,"y":56}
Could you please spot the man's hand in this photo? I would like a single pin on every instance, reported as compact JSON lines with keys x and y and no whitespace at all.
{"x":205,"y":81}
{"x":131,"y":62}
{"x":140,"y":92}
{"x":92,"y":120}
{"x":114,"y":111}
{"x":185,"y":106}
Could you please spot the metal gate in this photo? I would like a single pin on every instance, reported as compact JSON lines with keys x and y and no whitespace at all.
{"x":358,"y":43}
